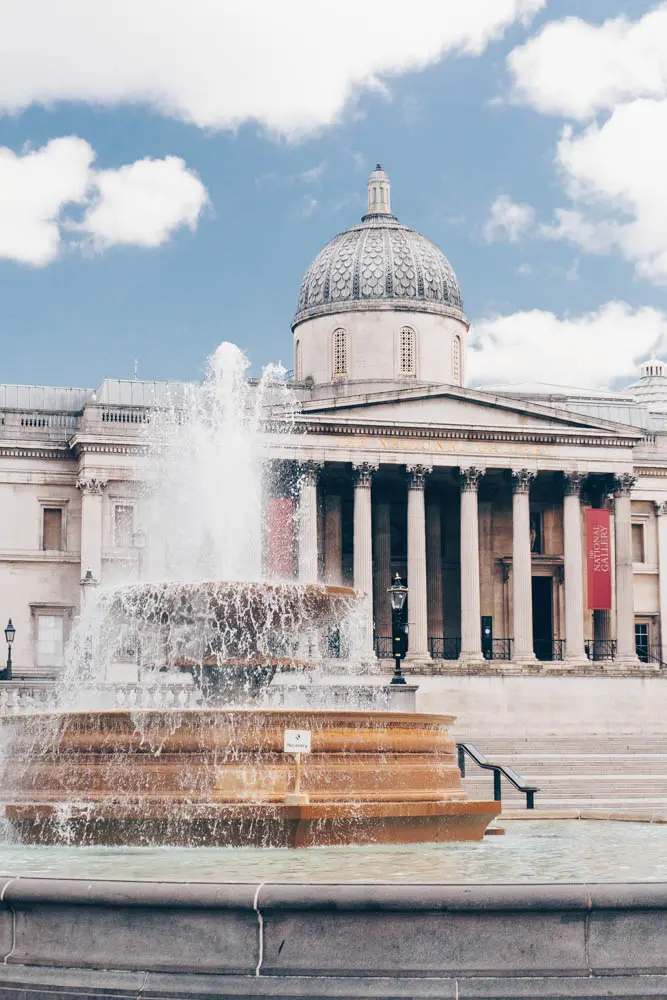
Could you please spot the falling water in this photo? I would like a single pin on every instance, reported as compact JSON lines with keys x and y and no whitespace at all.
{"x":203,"y":507}
{"x":199,"y":608}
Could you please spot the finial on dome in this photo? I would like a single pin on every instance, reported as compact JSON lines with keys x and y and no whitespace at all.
{"x":379,"y":190}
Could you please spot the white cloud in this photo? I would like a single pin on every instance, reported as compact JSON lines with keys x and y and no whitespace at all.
{"x":34,"y":190}
{"x":141,"y":203}
{"x":615,"y":174}
{"x":144,"y":202}
{"x":291,"y":65}
{"x":590,"y":350}
{"x":508,"y":220}
{"x":575,"y":69}
{"x":314,"y":174}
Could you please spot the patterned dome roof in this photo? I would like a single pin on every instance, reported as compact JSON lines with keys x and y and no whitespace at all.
{"x":378,"y":262}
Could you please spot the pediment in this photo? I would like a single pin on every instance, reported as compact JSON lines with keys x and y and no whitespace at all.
{"x":448,"y":406}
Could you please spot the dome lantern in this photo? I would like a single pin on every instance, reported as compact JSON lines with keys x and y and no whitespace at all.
{"x":379,"y":194}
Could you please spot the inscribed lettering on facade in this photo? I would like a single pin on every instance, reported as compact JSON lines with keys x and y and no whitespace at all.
{"x":598,"y":559}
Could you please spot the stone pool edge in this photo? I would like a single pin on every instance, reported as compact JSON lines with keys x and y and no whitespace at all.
{"x":82,"y":937}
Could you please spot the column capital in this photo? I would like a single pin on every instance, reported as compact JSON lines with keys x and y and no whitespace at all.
{"x":363,"y":473}
{"x":469,"y":479}
{"x":416,"y":476}
{"x":623,"y":484}
{"x":309,"y":472}
{"x":521,"y":480}
{"x":660,"y":507}
{"x":91,"y":485}
{"x":572,"y":483}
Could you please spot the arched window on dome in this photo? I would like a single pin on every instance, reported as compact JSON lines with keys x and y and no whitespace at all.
{"x":456,"y":360}
{"x":339,"y":354}
{"x":297,"y":361}
{"x":407,"y":353}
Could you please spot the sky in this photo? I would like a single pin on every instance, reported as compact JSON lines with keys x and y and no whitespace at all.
{"x":169,"y":170}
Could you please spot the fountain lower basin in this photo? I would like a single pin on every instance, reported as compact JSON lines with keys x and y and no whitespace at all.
{"x":220,"y":777}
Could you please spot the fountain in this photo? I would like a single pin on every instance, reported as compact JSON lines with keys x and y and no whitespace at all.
{"x":217,"y":616}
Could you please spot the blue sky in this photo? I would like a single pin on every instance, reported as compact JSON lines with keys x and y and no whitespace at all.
{"x":453,"y":140}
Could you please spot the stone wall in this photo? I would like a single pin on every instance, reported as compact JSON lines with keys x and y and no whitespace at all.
{"x":127,"y":939}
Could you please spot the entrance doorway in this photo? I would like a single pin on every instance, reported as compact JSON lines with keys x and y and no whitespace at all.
{"x":542,"y":587}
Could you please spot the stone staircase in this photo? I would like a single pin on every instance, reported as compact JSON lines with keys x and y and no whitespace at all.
{"x":619,"y":774}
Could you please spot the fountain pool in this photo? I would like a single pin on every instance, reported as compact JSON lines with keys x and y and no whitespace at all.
{"x":539,"y":851}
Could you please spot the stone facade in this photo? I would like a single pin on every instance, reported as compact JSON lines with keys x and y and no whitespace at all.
{"x":476,"y":497}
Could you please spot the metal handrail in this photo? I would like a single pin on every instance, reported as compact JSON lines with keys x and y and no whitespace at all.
{"x":499,"y":770}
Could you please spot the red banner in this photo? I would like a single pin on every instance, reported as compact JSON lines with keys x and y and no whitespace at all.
{"x":598,"y":559}
{"x":280,"y":538}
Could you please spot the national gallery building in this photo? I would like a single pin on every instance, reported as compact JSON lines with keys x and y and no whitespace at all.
{"x":529,"y":521}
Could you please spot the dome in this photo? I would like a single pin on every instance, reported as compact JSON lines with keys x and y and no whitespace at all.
{"x":379,"y":263}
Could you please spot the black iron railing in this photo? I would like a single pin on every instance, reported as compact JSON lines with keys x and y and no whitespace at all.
{"x":384,"y":649}
{"x":600,"y":649}
{"x":651,"y":654}
{"x":548,"y":649}
{"x":499,"y":771}
{"x":445,"y":648}
{"x":498,"y":649}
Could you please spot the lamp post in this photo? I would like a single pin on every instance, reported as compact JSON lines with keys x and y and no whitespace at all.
{"x":10,"y":633}
{"x":399,"y":631}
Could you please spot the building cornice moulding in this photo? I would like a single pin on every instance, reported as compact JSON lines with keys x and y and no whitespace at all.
{"x":19,"y":450}
{"x":466,"y":433}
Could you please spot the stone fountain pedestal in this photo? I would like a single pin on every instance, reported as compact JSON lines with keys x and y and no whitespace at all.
{"x":220,"y":777}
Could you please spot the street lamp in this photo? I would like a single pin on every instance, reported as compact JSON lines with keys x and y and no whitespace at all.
{"x":10,"y":633}
{"x":399,"y":632}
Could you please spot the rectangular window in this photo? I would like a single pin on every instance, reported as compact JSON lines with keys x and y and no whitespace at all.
{"x":50,"y":640}
{"x":641,"y":637}
{"x":406,"y":351}
{"x":52,"y":528}
{"x":638,"y":555}
{"x":123,"y":525}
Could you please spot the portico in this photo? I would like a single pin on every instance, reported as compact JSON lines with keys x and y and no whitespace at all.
{"x":478,"y":538}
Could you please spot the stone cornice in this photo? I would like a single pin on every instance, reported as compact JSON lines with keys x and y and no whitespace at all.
{"x":466,"y":433}
{"x":105,"y":446}
{"x":651,"y":472}
{"x":17,"y":449}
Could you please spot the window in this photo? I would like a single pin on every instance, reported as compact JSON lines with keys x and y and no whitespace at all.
{"x":638,"y":543}
{"x":50,"y":640}
{"x":123,"y":525}
{"x":52,"y":528}
{"x":406,"y":352}
{"x":339,"y":367}
{"x":641,"y":639}
{"x":297,"y":361}
{"x":456,"y":360}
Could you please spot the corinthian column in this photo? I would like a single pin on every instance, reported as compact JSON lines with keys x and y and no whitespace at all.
{"x":363,"y":546}
{"x":417,"y":589}
{"x":382,"y":575}
{"x":522,"y":566}
{"x":308,"y":522}
{"x":626,"y":653}
{"x":471,"y":623}
{"x":92,"y":490}
{"x":575,"y":654}
{"x":434,"y":566}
